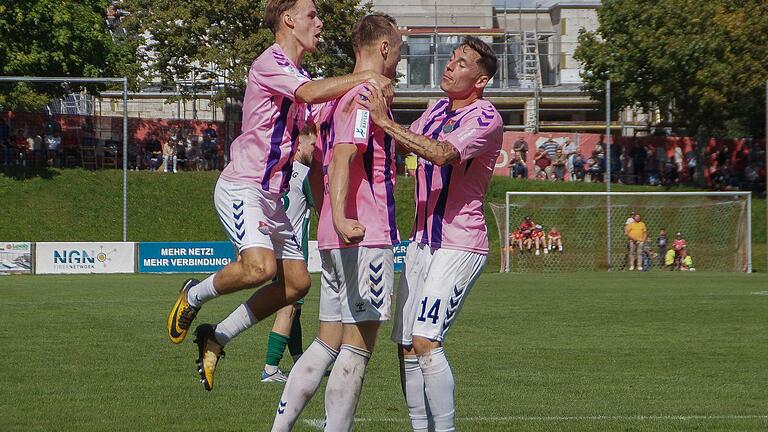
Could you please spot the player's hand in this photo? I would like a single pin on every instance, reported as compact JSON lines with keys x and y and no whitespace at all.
{"x":373,"y":100}
{"x":384,"y":85}
{"x":349,"y":231}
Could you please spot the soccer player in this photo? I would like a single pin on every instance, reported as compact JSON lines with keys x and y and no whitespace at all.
{"x":297,"y":202}
{"x":680,"y":246}
{"x":554,"y":240}
{"x":356,"y":232}
{"x":247,"y":194}
{"x":457,"y":139}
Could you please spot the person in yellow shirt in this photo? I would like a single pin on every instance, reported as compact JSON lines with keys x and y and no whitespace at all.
{"x":637,"y":234}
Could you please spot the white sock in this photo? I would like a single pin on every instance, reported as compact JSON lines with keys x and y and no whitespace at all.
{"x":237,"y":322}
{"x":303,"y":381}
{"x":413,"y":389}
{"x":202,"y":292}
{"x":439,"y":387}
{"x":344,"y":387}
{"x":270,"y":369}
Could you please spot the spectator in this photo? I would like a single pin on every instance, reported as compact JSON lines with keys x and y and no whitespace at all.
{"x":637,"y":234}
{"x":661,"y":242}
{"x":169,"y":154}
{"x":550,"y":146}
{"x":517,"y":168}
{"x":411,"y":163}
{"x":559,"y":163}
{"x":637,"y":155}
{"x":153,"y":152}
{"x":542,"y":163}
{"x":210,"y":153}
{"x":181,"y":150}
{"x":570,"y":150}
{"x":539,"y":239}
{"x":210,"y":133}
{"x":596,"y":169}
{"x":526,"y":228}
{"x":554,"y":240}
{"x":134,"y":155}
{"x":195,"y":158}
{"x":52,"y":131}
{"x":21,"y":148}
{"x":578,"y":167}
{"x":5,"y":142}
{"x":521,"y":148}
{"x":690,"y":164}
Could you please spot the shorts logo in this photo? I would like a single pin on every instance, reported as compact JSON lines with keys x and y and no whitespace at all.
{"x":237,"y":215}
{"x":360,"y":307}
{"x":263,"y":228}
{"x":453,"y":305}
{"x":375,"y":285}
{"x":361,"y":124}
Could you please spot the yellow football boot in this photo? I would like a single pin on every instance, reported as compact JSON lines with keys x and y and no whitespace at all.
{"x":182,"y":314}
{"x":209,"y":354}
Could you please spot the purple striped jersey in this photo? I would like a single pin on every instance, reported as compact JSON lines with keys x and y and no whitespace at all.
{"x":449,"y":199}
{"x":263,"y":153}
{"x":370,"y":197}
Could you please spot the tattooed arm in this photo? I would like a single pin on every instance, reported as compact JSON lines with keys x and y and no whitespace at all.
{"x":438,"y":152}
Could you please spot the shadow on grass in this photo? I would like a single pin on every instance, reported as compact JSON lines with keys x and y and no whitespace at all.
{"x":24,"y":173}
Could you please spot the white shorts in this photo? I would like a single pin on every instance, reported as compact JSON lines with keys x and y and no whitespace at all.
{"x":356,"y":284}
{"x":433,"y":286}
{"x":253,"y":217}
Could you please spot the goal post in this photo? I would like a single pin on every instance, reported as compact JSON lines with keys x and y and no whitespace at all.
{"x":715,"y":225}
{"x":91,"y":80}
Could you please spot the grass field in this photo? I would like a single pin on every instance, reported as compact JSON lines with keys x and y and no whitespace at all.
{"x":565,"y":352}
{"x":83,"y":205}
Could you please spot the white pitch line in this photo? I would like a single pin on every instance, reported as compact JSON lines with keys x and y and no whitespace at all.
{"x":763,"y":293}
{"x":319,"y":423}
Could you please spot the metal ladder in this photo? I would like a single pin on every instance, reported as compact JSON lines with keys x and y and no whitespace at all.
{"x":531,"y":66}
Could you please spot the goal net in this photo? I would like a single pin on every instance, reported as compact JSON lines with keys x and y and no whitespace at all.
{"x":715,"y":227}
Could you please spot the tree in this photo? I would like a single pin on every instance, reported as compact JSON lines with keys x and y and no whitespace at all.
{"x":55,"y":38}
{"x":702,"y":62}
{"x":213,"y":40}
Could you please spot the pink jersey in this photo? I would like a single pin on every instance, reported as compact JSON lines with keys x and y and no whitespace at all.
{"x":449,"y":199}
{"x":370,"y":197}
{"x":272,"y":118}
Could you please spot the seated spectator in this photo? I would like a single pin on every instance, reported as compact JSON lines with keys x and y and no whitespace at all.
{"x":516,"y":240}
{"x":21,"y":148}
{"x":542,"y":163}
{"x":195,"y":158}
{"x":517,"y":168}
{"x":169,"y":155}
{"x":595,"y":169}
{"x":153,"y":152}
{"x":539,"y":239}
{"x":559,"y":163}
{"x":181,"y":151}
{"x":554,"y":241}
{"x":578,"y":167}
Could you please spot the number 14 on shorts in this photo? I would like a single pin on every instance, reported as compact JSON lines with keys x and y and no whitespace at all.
{"x":433,"y":313}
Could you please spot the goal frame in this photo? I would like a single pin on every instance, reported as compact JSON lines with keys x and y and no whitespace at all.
{"x":608,"y":196}
{"x":103,"y":80}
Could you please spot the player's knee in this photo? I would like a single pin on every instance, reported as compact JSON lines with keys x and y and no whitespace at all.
{"x":297,"y":286}
{"x":423,"y":345}
{"x":256,"y":272}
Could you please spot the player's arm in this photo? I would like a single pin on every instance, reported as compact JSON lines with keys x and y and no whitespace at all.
{"x":323,"y":90}
{"x":349,"y":230}
{"x":438,"y":152}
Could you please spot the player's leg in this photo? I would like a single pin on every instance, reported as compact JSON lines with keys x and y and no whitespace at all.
{"x":241,"y":208}
{"x":369,"y":278}
{"x":560,"y":244}
{"x":295,"y":344}
{"x":451,"y":276}
{"x":276,"y":343}
{"x":307,"y":373}
{"x":417,"y":260}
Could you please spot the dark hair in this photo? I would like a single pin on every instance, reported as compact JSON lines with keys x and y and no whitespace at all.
{"x":371,"y":28}
{"x":274,"y":11}
{"x":487,"y":61}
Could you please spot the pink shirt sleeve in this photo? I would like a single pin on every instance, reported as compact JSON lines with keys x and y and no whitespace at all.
{"x":351,"y":121}
{"x":475,"y":132}
{"x":278,"y":80}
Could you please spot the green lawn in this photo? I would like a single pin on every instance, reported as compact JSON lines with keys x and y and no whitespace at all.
{"x":654,"y":351}
{"x":82,"y":205}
